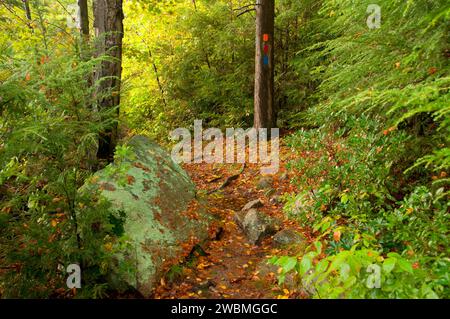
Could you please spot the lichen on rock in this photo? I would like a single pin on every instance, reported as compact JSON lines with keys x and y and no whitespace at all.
{"x":153,"y":194}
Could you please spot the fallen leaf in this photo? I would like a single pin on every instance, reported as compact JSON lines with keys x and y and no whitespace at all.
{"x":337,"y":235}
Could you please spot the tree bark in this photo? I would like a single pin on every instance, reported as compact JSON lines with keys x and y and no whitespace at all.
{"x":264,"y":113}
{"x":108,"y":25}
{"x":233,"y":46}
{"x":84,"y":18}
{"x":26,"y":7}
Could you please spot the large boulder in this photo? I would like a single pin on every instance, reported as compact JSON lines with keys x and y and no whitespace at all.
{"x":153,"y":194}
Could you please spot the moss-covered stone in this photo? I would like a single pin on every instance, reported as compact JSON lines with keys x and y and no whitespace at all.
{"x":154,"y":195}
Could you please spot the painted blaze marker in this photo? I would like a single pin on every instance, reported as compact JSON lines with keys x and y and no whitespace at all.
{"x":266,"y":49}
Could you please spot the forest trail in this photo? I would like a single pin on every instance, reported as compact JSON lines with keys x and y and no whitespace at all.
{"x":230,"y":266}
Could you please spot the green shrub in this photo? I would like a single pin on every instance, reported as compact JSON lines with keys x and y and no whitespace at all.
{"x":48,"y":137}
{"x":417,"y":266}
{"x":358,"y":213}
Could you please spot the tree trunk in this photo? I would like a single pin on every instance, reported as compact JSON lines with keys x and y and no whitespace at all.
{"x":108,"y":25}
{"x":233,"y":45}
{"x":155,"y":69}
{"x":265,"y":114}
{"x":84,"y":18}
{"x":26,"y":7}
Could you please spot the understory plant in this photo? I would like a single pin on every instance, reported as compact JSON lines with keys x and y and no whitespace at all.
{"x":48,"y":136}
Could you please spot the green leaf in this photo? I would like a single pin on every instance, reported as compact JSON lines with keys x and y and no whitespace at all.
{"x":289,"y":264}
{"x":322,"y":266}
{"x":405,"y":265}
{"x":389,"y":264}
{"x":325,"y":226}
{"x":431,"y":295}
{"x":344,"y":198}
{"x":281,"y":261}
{"x":318,"y":246}
{"x":344,"y":271}
{"x":305,"y":265}
{"x":354,"y":263}
{"x":339,"y":259}
{"x":350,"y":281}
{"x":281,"y":279}
{"x":395,"y":255}
{"x":273,"y":260}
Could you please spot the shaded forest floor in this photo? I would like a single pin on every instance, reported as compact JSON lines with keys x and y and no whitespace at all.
{"x":230,"y":266}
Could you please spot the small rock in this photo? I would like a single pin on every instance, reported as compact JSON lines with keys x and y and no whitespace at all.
{"x":275,"y":199}
{"x":287,"y":237}
{"x":264,"y":182}
{"x":256,"y":225}
{"x":206,"y":285}
{"x":253,"y":204}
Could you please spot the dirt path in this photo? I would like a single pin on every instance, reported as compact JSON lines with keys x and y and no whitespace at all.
{"x":230,"y":267}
